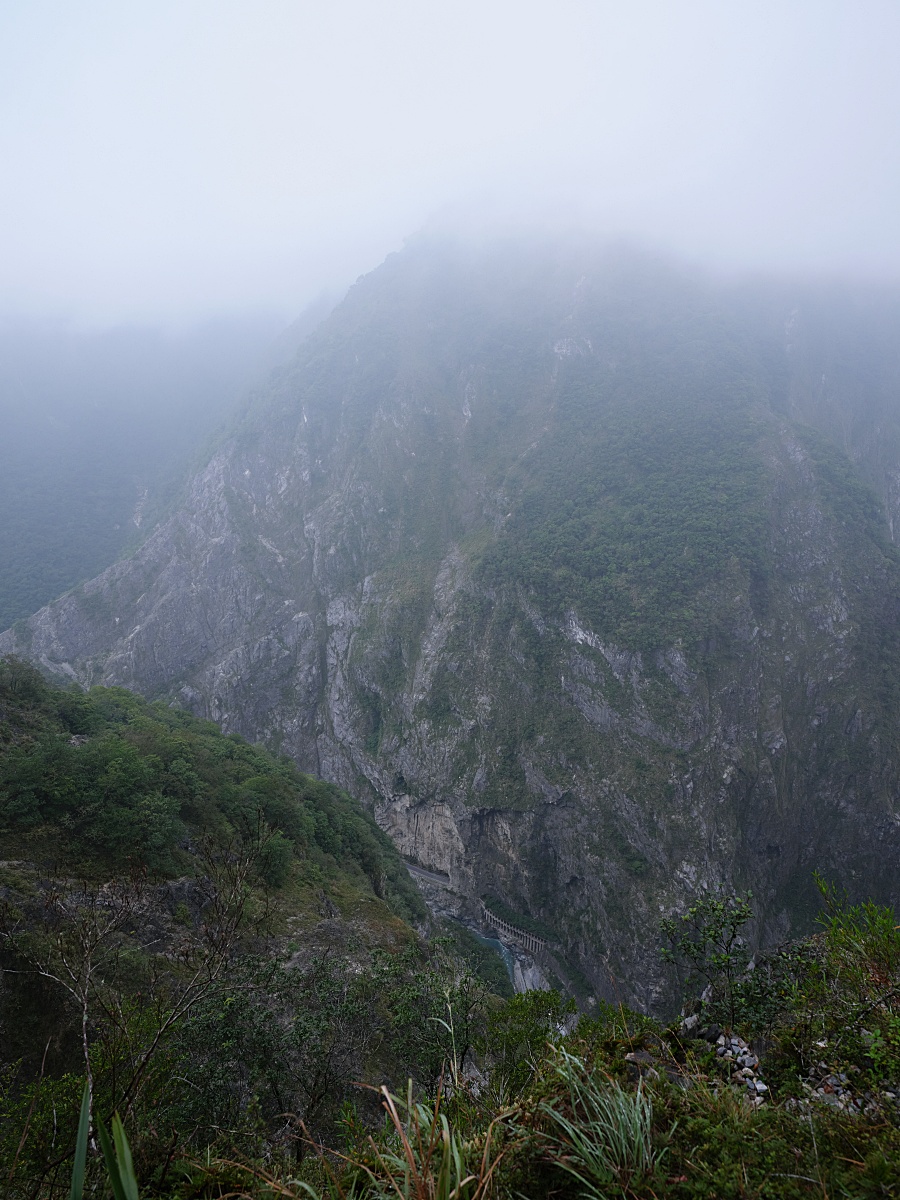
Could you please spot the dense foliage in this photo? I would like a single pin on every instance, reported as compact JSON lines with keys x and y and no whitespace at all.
{"x":105,"y":781}
{"x":511,"y":1098}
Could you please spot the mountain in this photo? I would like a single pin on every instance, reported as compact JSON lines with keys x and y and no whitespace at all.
{"x":576,"y":567}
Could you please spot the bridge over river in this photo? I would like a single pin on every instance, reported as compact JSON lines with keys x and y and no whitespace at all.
{"x":528,"y":941}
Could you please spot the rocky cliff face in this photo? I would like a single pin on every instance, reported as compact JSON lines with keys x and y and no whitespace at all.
{"x":528,"y":550}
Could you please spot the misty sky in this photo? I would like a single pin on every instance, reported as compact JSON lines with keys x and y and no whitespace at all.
{"x":174,"y":158}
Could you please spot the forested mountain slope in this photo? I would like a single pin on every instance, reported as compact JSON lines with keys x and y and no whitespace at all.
{"x":207,"y":934}
{"x":568,"y":563}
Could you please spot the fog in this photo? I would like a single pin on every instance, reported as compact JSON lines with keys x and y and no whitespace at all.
{"x":172,"y":161}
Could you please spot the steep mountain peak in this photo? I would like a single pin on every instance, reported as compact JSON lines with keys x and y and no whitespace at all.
{"x":526,"y":549}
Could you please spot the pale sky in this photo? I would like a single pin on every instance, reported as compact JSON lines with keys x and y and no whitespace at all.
{"x":169,"y":159}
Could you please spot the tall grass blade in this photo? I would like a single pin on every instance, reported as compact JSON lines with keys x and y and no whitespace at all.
{"x":81,"y":1143}
{"x":123,"y":1154}
{"x":608,"y":1137}
{"x":119,"y":1166}
{"x":112,"y":1167}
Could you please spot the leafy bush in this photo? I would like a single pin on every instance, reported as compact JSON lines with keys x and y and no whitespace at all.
{"x":707,"y":940}
{"x":517,"y":1035}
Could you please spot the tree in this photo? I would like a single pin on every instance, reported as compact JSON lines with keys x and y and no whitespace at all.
{"x":130,"y":994}
{"x":707,"y":941}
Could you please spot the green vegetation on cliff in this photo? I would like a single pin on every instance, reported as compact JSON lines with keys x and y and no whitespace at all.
{"x":101,"y":782}
{"x":649,"y":482}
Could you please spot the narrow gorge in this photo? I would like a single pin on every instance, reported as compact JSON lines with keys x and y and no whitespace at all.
{"x":576,"y":568}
